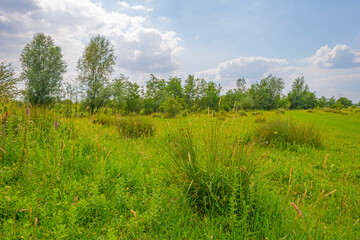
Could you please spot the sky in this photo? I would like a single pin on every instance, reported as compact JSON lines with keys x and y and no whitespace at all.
{"x":218,"y":40}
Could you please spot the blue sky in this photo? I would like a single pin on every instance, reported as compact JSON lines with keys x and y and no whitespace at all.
{"x":219,"y":40}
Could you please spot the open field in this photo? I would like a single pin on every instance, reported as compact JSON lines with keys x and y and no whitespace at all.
{"x":194,"y":177}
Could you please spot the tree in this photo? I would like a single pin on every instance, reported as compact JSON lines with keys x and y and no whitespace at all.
{"x":132,"y":97}
{"x":118,"y":91}
{"x":155,"y":94}
{"x":8,"y":82}
{"x":267,"y":93}
{"x":174,"y":88}
{"x":95,"y":68}
{"x":210,"y":95}
{"x":300,"y":95}
{"x":344,"y":101}
{"x":190,"y":90}
{"x":240,"y":84}
{"x":43,"y":68}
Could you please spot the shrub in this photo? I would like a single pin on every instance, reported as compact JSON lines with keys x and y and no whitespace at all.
{"x":284,"y":132}
{"x":134,"y":127}
{"x":171,"y":108}
{"x":212,"y":167}
{"x":185,"y":113}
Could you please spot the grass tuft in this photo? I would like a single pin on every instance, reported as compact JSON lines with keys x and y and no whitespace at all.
{"x":287,"y":131}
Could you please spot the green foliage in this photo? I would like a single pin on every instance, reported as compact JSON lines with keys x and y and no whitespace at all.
{"x":95,"y":68}
{"x":209,"y":95}
{"x":300,"y":95}
{"x":344,"y":101}
{"x":190,"y":90}
{"x":132,"y":97}
{"x":171,"y":107}
{"x":286,"y":131}
{"x":8,"y":81}
{"x":267,"y":93}
{"x":43,"y":67}
{"x":173,"y":87}
{"x":247,"y":102}
{"x":155,"y":94}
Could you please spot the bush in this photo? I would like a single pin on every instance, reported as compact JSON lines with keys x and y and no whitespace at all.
{"x":171,"y":108}
{"x":284,"y":132}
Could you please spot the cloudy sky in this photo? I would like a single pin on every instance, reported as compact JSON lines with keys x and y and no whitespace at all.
{"x":219,"y":40}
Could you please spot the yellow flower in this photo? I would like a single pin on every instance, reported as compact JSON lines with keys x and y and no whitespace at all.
{"x":127,"y":188}
{"x":275,"y":132}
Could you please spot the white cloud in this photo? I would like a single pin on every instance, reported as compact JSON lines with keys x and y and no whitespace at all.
{"x":127,"y":6}
{"x":139,"y":49}
{"x":4,"y":19}
{"x":251,"y":68}
{"x":325,"y":81}
{"x":341,"y":56}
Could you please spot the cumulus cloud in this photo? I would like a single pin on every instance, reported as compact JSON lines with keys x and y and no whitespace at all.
{"x":127,"y":6}
{"x":251,"y":68}
{"x":139,"y":48}
{"x":341,"y":56}
{"x":325,"y":81}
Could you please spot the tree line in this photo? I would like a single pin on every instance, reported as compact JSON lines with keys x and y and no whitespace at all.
{"x":43,"y":68}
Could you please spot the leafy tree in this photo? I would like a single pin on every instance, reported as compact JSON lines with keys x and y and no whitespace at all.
{"x":8,"y":82}
{"x":118,"y":88}
{"x":132,"y":97}
{"x":247,"y":102}
{"x":233,"y":97}
{"x":174,"y":88}
{"x":344,"y":101}
{"x":267,"y":93}
{"x":95,"y":68}
{"x":190,"y":90}
{"x":155,"y":94}
{"x":331,"y":101}
{"x":210,"y":95}
{"x":300,"y":95}
{"x":323,"y":102}
{"x":240,"y":84}
{"x":43,"y":68}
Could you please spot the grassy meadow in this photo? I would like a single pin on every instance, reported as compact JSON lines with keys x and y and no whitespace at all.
{"x":242,"y":175}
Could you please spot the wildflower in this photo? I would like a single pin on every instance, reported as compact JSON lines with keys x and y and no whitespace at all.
{"x":127,"y":188}
{"x":275,"y":132}
{"x":27,"y":111}
{"x":56,"y":125}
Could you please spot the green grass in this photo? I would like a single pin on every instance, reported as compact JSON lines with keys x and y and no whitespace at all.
{"x":85,"y":179}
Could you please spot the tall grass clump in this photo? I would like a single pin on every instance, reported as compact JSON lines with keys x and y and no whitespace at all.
{"x":213,"y":167}
{"x":134,"y":127}
{"x":286,"y":131}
